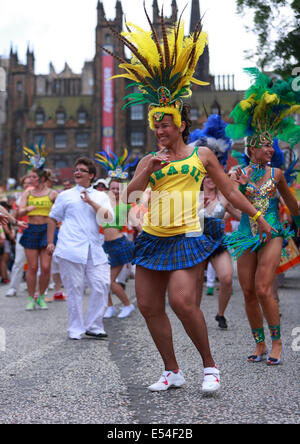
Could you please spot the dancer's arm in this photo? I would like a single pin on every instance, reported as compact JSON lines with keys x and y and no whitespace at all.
{"x":233,"y":195}
{"x":145,"y":168}
{"x":289,"y":198}
{"x":50,"y":235}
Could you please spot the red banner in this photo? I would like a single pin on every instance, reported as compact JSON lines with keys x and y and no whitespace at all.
{"x":107,"y":101}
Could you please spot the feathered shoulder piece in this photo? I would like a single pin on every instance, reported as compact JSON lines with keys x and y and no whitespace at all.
{"x":161,"y":69}
{"x":214,"y":137}
{"x":266,"y":112}
{"x":35,"y":156}
{"x":116,"y":167}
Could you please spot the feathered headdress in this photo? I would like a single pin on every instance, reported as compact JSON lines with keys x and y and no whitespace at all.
{"x":161,"y":69}
{"x":36,"y":156}
{"x":116,"y":167}
{"x":214,"y":137}
{"x":277,"y":161}
{"x":266,"y":112}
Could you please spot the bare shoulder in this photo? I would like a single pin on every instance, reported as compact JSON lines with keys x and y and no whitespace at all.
{"x":204,"y":154}
{"x":278,"y":174}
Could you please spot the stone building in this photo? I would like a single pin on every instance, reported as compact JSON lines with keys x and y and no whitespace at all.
{"x":80,"y":114}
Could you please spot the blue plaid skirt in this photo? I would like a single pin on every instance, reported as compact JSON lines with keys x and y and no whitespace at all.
{"x":35,"y":237}
{"x":214,"y":229}
{"x":120,"y":251}
{"x":172,"y":253}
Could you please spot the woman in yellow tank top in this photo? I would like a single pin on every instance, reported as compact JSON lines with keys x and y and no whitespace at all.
{"x":36,"y":204}
{"x":171,"y":247}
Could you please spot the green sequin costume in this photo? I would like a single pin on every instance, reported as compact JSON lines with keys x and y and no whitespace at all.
{"x":264,"y":199}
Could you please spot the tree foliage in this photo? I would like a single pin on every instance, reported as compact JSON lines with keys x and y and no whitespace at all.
{"x":277,"y":26}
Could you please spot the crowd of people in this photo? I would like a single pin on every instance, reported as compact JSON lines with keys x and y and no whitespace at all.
{"x":178,"y":230}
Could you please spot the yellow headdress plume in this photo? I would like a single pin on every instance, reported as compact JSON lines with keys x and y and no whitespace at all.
{"x":161,"y":69}
{"x":36,"y":156}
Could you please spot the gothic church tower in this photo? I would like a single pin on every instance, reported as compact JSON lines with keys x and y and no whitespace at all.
{"x":108,"y":126}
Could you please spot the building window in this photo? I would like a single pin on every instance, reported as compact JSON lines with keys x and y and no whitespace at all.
{"x":194,"y":114}
{"x":137,"y":112}
{"x":82,"y":140}
{"x":60,"y":164}
{"x":60,"y":118}
{"x":60,"y":141}
{"x":81,"y":117}
{"x":39,"y":138}
{"x":216,"y":108}
{"x":39,"y":118}
{"x":19,"y":87}
{"x":137,"y":138}
{"x":18,"y":144}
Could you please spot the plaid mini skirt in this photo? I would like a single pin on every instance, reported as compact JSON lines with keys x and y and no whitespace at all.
{"x":172,"y":253}
{"x":120,"y":251}
{"x":35,"y":237}
{"x":214,"y":229}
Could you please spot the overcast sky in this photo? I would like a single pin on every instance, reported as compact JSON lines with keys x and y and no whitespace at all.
{"x":64,"y":31}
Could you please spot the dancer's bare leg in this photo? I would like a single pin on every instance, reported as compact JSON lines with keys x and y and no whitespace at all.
{"x":116,"y":288}
{"x":151,"y":287}
{"x":268,"y":260}
{"x":246,"y":265}
{"x":223,"y":267}
{"x":182,"y":297}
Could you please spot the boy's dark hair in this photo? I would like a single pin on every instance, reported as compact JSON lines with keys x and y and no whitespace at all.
{"x":90,"y":164}
{"x":185,"y":116}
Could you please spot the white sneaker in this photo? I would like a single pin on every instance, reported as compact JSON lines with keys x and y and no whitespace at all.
{"x":168,"y":380}
{"x":126,"y":311}
{"x":110,"y":312}
{"x":11,"y":292}
{"x":211,"y":382}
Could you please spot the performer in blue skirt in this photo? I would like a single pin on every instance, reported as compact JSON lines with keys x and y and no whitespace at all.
{"x":171,"y":246}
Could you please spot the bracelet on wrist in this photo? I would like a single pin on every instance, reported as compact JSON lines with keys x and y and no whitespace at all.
{"x":256,"y":216}
{"x":296,"y":220}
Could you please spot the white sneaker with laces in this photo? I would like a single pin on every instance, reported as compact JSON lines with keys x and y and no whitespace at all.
{"x":110,"y":312}
{"x":211,"y":382}
{"x":11,"y":292}
{"x":126,"y":311}
{"x":168,"y":380}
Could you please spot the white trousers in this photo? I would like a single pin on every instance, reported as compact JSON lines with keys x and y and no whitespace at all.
{"x":210,"y":275}
{"x":74,"y":276}
{"x":18,"y":266}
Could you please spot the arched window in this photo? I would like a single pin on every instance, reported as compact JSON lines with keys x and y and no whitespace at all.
{"x":39,"y":117}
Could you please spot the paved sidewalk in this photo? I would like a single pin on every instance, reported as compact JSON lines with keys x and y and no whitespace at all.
{"x":46,"y":378}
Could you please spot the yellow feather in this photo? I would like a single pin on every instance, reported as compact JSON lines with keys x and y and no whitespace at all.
{"x":265,"y":103}
{"x":29,"y":151}
{"x":293,"y":109}
{"x":123,"y":158}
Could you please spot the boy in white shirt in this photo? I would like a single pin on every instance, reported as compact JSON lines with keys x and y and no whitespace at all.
{"x":79,"y":252}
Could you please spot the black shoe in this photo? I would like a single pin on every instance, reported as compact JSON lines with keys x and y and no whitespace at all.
{"x":96,"y":335}
{"x":221,"y":322}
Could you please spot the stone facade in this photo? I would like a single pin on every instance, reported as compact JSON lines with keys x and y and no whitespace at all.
{"x":67,"y":109}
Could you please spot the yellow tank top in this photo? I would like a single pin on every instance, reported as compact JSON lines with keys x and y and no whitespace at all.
{"x":173,"y":207}
{"x":42,"y":204}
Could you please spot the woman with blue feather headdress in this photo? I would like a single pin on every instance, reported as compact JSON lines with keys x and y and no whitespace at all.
{"x":266,"y":113}
{"x":213,"y":211}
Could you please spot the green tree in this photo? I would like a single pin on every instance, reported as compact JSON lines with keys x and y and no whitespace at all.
{"x":277,"y":26}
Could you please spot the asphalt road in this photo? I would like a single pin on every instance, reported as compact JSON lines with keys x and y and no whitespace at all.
{"x":45,"y":378}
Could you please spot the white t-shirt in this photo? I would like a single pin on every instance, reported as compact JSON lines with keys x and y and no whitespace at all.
{"x":79,"y":231}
